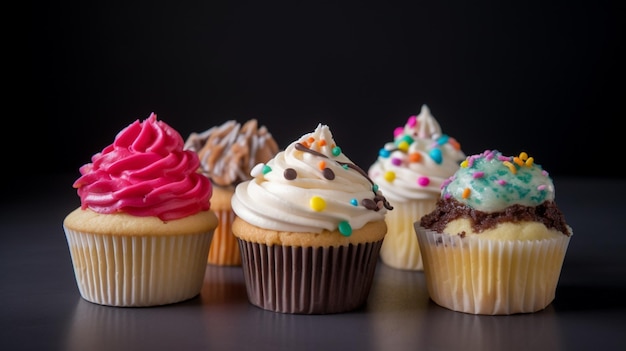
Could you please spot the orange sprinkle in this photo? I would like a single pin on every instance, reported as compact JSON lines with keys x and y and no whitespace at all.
{"x":415,"y":157}
{"x":321,"y":143}
{"x":321,"y":165}
{"x":455,"y":144}
{"x":523,"y":156}
{"x":518,"y":161}
{"x":511,"y":166}
{"x":466,"y":193}
{"x":311,"y":140}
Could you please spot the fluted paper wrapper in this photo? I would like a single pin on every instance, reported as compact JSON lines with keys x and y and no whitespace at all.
{"x":400,"y":249}
{"x":127,"y":271}
{"x":491,"y":277}
{"x":308,"y":280}
{"x":224,"y":250}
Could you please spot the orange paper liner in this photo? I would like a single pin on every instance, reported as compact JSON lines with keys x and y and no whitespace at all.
{"x":224,"y":250}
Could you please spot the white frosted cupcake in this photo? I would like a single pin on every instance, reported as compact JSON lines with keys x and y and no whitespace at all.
{"x":496,"y":242}
{"x":310,"y":225}
{"x":141,"y":235}
{"x":410,"y":171}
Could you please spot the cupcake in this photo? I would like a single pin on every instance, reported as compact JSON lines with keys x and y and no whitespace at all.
{"x":496,"y":241}
{"x":228,"y":153}
{"x":310,"y":225}
{"x":142,"y":232}
{"x":410,"y":171}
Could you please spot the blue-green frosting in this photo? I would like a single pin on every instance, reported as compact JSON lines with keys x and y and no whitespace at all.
{"x":491,"y":182}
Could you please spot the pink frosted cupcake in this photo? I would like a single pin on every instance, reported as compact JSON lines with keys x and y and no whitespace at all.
{"x":142,"y":232}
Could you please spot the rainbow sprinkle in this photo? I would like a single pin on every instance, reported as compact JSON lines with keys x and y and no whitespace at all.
{"x":510,"y":166}
{"x":345,"y":228}
{"x":389,"y":176}
{"x":317,"y":204}
{"x":423,"y":181}
{"x":466,"y":193}
{"x":336,"y":151}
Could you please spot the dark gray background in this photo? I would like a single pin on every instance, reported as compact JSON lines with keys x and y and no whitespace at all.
{"x":545,"y":77}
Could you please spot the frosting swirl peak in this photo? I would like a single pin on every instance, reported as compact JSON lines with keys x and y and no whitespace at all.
{"x":310,"y":186}
{"x":228,"y":152}
{"x":418,"y":161}
{"x":145,"y":172}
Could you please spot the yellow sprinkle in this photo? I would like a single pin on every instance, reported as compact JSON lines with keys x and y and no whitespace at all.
{"x":511,"y":167}
{"x":530,"y":162}
{"x":464,"y":163}
{"x":317,"y":203}
{"x":523,"y":156}
{"x":403,"y":146}
{"x":390,"y":176}
{"x":518,"y":161}
{"x":466,"y":193}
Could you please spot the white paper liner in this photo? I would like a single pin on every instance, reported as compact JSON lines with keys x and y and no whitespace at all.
{"x":400,"y":248}
{"x":308,"y":280}
{"x":492,"y":277}
{"x":127,"y":271}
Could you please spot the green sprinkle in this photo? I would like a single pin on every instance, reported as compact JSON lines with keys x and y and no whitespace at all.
{"x":336,"y":151}
{"x":375,"y":187}
{"x":266,"y":169}
{"x":345,"y":229}
{"x":405,"y":138}
{"x":354,"y":202}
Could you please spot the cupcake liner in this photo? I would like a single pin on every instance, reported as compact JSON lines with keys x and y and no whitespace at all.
{"x":400,"y":248}
{"x":308,"y":280}
{"x":126,"y":271}
{"x":224,"y":249}
{"x":492,"y":277}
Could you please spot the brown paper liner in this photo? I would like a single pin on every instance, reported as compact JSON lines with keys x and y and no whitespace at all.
{"x":308,"y":280}
{"x":491,"y":277}
{"x":224,"y":250}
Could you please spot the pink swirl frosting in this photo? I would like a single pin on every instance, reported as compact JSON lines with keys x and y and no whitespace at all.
{"x":145,"y":172}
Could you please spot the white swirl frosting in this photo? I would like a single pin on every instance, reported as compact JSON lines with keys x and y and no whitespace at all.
{"x":418,"y":161}
{"x":309,"y":187}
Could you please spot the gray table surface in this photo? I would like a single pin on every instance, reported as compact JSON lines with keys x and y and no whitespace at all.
{"x":42,"y":309}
